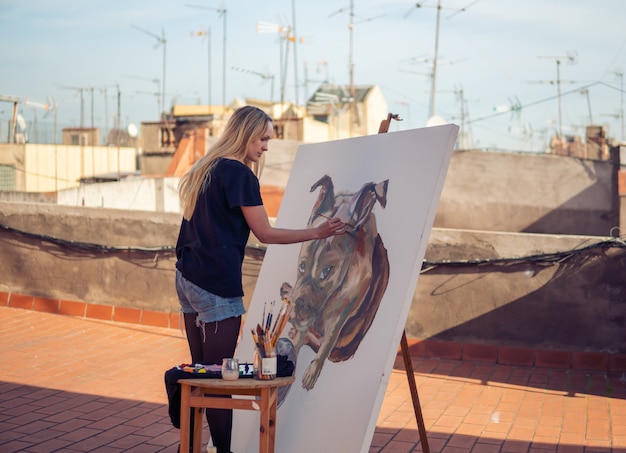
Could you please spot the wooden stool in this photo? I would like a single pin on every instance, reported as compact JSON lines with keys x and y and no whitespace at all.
{"x":193,"y":397}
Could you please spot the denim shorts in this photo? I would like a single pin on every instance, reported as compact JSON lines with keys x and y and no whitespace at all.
{"x":210,"y":307}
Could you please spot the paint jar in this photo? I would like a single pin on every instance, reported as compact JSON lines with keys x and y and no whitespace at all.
{"x":230,"y":369}
{"x":264,"y":365}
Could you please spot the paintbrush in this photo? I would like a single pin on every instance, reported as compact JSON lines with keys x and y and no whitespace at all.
{"x":261,"y":336}
{"x":255,"y":338}
{"x":263,"y":317}
{"x":281,"y":322}
{"x":268,"y":323}
{"x":278,"y":318}
{"x":330,"y":218}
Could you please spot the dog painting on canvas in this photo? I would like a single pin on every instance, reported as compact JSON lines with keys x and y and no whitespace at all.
{"x":340,"y":280}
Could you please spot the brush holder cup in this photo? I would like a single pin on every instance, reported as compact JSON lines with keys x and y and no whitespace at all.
{"x":264,"y":365}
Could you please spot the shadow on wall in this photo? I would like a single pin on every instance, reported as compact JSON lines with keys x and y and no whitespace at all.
{"x":578,"y":303}
{"x":530,"y":193}
{"x":569,"y":218}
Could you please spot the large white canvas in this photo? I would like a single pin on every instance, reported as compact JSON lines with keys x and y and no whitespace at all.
{"x":339,"y":413}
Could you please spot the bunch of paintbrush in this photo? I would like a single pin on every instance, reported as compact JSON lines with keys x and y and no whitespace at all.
{"x":266,"y":334}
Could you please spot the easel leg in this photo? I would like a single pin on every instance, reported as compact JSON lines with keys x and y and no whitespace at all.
{"x":408,"y":366}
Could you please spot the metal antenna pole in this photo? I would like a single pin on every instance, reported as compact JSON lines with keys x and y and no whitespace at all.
{"x":117,"y":134}
{"x":558,"y":94}
{"x":284,"y":33}
{"x":433,"y":89}
{"x":82,"y":108}
{"x":91,"y":135}
{"x":620,"y":74}
{"x":222,"y":12}
{"x":103,"y":90}
{"x":160,"y":40}
{"x":163,"y":85}
{"x":80,"y":90}
{"x":209,"y":64}
{"x":56,"y":160}
{"x":283,"y":76}
{"x":118,"y":116}
{"x":295,"y":47}
{"x":586,"y":93}
{"x":571,"y":58}
{"x":352,"y":91}
{"x":352,"y":101}
{"x":207,"y":34}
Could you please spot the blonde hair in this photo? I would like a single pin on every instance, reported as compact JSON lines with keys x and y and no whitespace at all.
{"x":247,"y":124}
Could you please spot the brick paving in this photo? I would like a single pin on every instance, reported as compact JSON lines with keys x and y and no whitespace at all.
{"x":63,"y":388}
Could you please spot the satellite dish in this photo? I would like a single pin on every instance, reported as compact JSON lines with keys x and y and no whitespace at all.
{"x":21,"y":122}
{"x":132,"y":130}
{"x":435,"y":121}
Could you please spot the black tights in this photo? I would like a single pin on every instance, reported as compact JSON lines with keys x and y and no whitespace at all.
{"x":210,"y":343}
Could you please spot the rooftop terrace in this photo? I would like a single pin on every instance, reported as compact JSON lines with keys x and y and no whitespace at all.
{"x":65,"y":386}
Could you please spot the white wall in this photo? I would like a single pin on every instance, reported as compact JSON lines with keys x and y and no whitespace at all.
{"x":137,"y":194}
{"x":55,"y":167}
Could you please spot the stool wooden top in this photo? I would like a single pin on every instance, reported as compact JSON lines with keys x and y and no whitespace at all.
{"x":238,"y":384}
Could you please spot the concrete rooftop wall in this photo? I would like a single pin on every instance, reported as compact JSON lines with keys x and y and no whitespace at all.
{"x":553,"y":291}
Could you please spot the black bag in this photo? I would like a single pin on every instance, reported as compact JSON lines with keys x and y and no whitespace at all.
{"x":172,"y":387}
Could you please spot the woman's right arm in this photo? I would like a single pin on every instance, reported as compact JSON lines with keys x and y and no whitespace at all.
{"x":259,"y":224}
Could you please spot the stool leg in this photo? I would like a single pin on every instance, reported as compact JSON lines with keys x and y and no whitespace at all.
{"x":184,"y":418}
{"x":264,"y":426}
{"x":197,"y":429}
{"x":273,"y":404}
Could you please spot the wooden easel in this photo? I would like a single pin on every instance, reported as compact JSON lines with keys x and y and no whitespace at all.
{"x":404,"y":345}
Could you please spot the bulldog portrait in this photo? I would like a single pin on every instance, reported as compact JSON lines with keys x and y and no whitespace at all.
{"x":340,"y":280}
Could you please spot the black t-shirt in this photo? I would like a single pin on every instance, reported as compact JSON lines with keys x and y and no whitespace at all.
{"x":211,"y":245}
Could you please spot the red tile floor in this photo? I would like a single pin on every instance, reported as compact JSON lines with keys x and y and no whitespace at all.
{"x":65,"y":386}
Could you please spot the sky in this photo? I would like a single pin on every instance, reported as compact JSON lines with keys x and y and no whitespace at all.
{"x":500,"y":59}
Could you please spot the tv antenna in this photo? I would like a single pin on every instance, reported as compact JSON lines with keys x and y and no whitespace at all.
{"x":350,"y":11}
{"x":465,"y":134}
{"x":571,"y":58}
{"x":157,"y":82}
{"x":48,"y":107}
{"x":433,"y":89}
{"x":308,"y":80}
{"x":285,"y":34}
{"x":80,"y":91}
{"x":206,"y":34}
{"x":585,"y":92}
{"x":160,"y":41}
{"x":222,"y":12}
{"x":263,"y":76}
{"x":416,"y":60}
